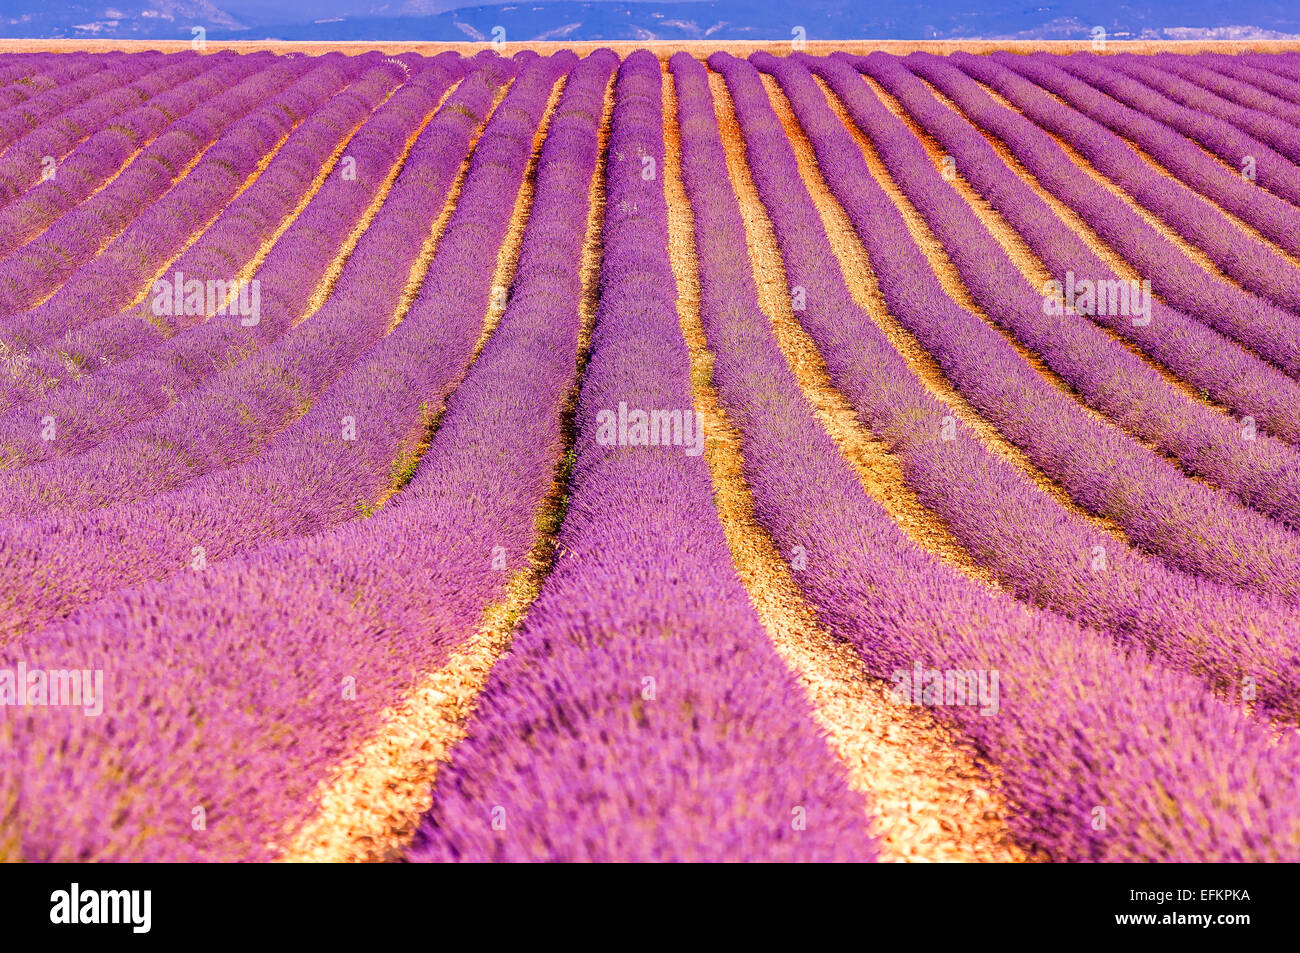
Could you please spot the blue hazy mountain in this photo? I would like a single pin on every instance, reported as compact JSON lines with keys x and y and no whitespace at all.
{"x":663,"y":20}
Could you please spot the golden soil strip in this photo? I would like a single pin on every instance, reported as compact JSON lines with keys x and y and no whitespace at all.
{"x":508,"y":255}
{"x":317,"y":183}
{"x":420,"y":267}
{"x":185,"y":170}
{"x":370,"y":808}
{"x":1200,"y":258}
{"x":877,"y":468}
{"x":325,"y":287}
{"x":1015,"y":246}
{"x":1155,"y":166}
{"x":923,"y":787}
{"x":856,"y":269}
{"x":949,"y":277}
{"x":593,"y":250}
{"x":408,"y":457}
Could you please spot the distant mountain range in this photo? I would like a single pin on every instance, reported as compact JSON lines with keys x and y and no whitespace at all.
{"x":336,"y":20}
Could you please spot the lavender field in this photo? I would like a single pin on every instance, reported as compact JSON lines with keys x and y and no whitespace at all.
{"x":576,"y":456}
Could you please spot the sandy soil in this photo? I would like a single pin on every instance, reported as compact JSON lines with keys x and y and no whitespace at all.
{"x":930,"y":798}
{"x":370,"y":807}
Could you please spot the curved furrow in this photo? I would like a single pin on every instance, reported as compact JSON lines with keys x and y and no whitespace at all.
{"x":137,"y":364}
{"x":1066,"y":699}
{"x":1247,"y":207}
{"x":372,"y":802}
{"x":1274,"y":172}
{"x":1190,"y":524}
{"x":387,"y":604}
{"x":97,"y":257}
{"x":641,"y":713}
{"x":1256,"y":78}
{"x":1054,"y":234}
{"x":1039,"y":550}
{"x":1177,"y":277}
{"x":933,"y":798}
{"x":336,"y":460}
{"x":30,"y":121}
{"x":1236,"y":256}
{"x":110,"y":152}
{"x":40,"y":155}
{"x":1250,"y":105}
{"x":871,"y":457}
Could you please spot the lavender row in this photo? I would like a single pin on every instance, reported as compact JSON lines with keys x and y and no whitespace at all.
{"x":21,"y":77}
{"x":1256,"y":265}
{"x":1040,"y":551}
{"x":220,"y":374}
{"x":1222,"y":368}
{"x":294,"y":263}
{"x":256,"y":77}
{"x":1192,"y":526}
{"x":1273,"y":119}
{"x":641,"y":713}
{"x":376,"y":604}
{"x":1216,"y":74}
{"x":113,"y":92}
{"x":79,"y":234}
{"x":1146,"y":737}
{"x":1274,"y":171}
{"x":99,"y":376}
{"x":1268,"y":330}
{"x":108,"y":149}
{"x":69,"y":92}
{"x":1255,"y":74}
{"x":1267,"y":130}
{"x":51,"y":71}
{"x":110,"y":278}
{"x":1274,"y":217}
{"x":1282,"y":65}
{"x":36,"y":155}
{"x":332,"y":463}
